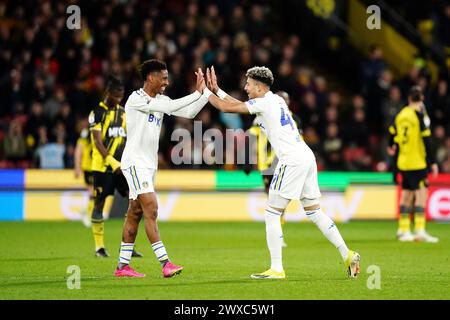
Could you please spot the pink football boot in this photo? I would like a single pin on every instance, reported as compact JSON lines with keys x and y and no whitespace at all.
{"x":170,"y":270}
{"x":127,"y":271}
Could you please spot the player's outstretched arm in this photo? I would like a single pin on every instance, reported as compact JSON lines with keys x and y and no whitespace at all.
{"x":162,"y":105}
{"x":170,"y":106}
{"x":167,"y":106}
{"x":226,"y":106}
{"x":192,"y":109}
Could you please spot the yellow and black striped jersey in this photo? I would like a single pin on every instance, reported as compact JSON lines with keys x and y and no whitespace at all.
{"x":409,"y":129}
{"x":85,"y":141}
{"x":112,"y":124}
{"x":265,"y":154}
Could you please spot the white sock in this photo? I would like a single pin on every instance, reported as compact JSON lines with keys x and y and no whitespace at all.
{"x":274,"y":236}
{"x":126,"y":250}
{"x":160,"y":252}
{"x":329,"y":230}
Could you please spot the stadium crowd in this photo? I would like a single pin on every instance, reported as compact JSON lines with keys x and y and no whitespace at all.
{"x":51,"y":77}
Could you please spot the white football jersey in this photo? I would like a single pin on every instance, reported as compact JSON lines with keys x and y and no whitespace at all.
{"x":274,"y":118}
{"x":144,"y":117}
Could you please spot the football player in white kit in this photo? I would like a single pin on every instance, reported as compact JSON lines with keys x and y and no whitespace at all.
{"x":295,"y":176}
{"x":144,"y":111}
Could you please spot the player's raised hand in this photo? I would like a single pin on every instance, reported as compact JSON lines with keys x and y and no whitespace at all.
{"x":208,"y":80}
{"x":200,"y":85}
{"x":214,"y":80}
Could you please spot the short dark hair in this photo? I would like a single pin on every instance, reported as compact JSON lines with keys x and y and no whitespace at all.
{"x":415,"y":94}
{"x":150,"y":66}
{"x":114,"y":84}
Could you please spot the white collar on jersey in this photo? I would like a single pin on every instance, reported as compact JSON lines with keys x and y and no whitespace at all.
{"x":141,"y":91}
{"x":268,"y":93}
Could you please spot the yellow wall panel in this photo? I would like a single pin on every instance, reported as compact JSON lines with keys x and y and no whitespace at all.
{"x":378,"y":202}
{"x":57,"y":179}
{"x":54,"y":205}
{"x":186,"y":179}
{"x":358,"y":202}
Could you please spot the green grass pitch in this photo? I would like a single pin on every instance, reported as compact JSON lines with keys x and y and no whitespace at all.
{"x":218,"y":259}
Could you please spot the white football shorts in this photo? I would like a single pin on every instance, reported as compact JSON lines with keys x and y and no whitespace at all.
{"x":296,"y":182}
{"x":140,"y":180}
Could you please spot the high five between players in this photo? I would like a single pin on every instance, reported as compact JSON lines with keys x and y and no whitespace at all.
{"x":295,"y":176}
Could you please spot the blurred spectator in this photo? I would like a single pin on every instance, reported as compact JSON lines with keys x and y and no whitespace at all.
{"x":53,"y":104}
{"x":408,"y":81}
{"x":15,"y":90}
{"x":391,"y":105}
{"x":35,"y":120}
{"x":320,"y":86}
{"x":372,"y":68}
{"x":439,"y":146}
{"x":50,"y":155}
{"x":330,"y":116}
{"x":309,"y":112}
{"x":64,"y":117}
{"x":40,"y":92}
{"x":445,"y":166}
{"x":439,"y":109}
{"x":238,"y":19}
{"x":285,"y":80}
{"x":211,"y":24}
{"x":332,"y":148}
{"x":376,"y":95}
{"x":358,"y":102}
{"x":356,"y":132}
{"x":443,"y":25}
{"x":258,"y":24}
{"x":14,"y":144}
